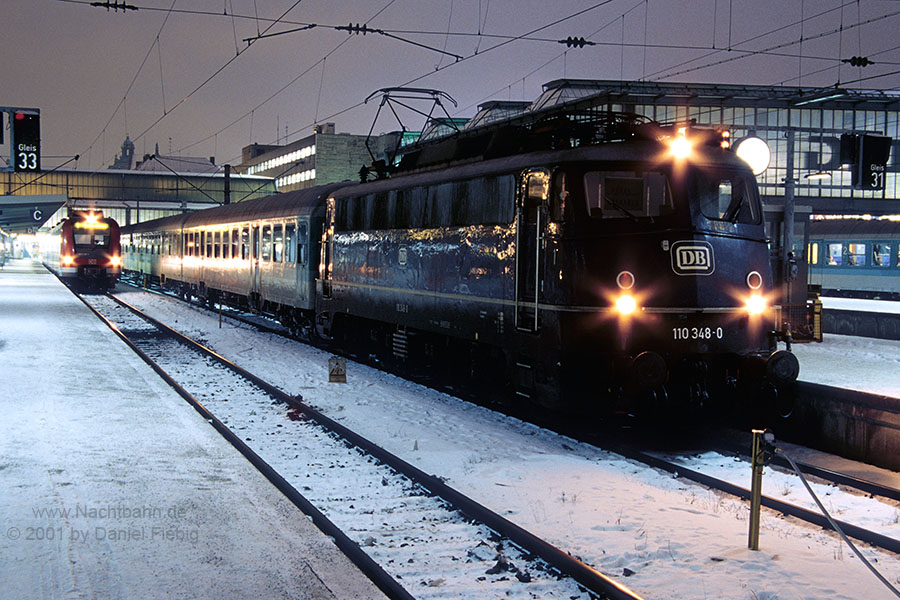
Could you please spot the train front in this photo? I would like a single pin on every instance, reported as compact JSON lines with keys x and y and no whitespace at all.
{"x":90,"y":251}
{"x":677,"y":254}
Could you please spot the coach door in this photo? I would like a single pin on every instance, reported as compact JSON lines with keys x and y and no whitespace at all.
{"x":531,"y":220}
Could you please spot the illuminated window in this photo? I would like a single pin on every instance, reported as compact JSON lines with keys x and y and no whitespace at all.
{"x":266,"y":249}
{"x":812,"y":253}
{"x":881,"y":255}
{"x":301,"y":243}
{"x":278,"y":251}
{"x":856,"y":255}
{"x":290,"y":243}
{"x":836,"y":254}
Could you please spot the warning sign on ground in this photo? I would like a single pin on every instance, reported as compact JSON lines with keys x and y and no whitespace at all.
{"x":337,"y":370}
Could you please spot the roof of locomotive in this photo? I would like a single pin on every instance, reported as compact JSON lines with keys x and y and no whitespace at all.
{"x":305,"y":202}
{"x":632,"y":151}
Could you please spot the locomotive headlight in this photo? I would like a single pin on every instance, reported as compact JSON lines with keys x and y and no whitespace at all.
{"x":626,"y":304}
{"x":67,"y":260}
{"x":115,"y":261}
{"x":756,"y":304}
{"x":680,"y":147}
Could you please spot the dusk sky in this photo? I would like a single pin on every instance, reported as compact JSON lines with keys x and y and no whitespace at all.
{"x":179,"y":74}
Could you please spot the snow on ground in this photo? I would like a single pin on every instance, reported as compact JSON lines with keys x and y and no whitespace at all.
{"x":856,"y":363}
{"x":660,"y":536}
{"x":99,"y":500}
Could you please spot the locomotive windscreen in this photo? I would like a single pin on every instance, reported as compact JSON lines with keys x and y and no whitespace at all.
{"x":91,"y":239}
{"x":624,"y":194}
{"x":725,"y":196}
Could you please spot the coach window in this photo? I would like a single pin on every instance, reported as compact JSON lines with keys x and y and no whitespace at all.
{"x":290,"y":242}
{"x":235,"y":242}
{"x":835,"y":254}
{"x":266,"y":242}
{"x":278,"y":250}
{"x":812,"y":253}
{"x":245,"y":243}
{"x":881,"y":255}
{"x":301,"y":242}
{"x":225,"y":244}
{"x":217,"y":242}
{"x":856,"y":255}
{"x":256,"y":242}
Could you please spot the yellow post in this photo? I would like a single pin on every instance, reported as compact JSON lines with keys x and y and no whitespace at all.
{"x":757,"y":462}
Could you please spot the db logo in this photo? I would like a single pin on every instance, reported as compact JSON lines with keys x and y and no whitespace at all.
{"x":691,"y":257}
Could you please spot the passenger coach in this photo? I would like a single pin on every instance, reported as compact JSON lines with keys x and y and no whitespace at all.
{"x":855,"y":257}
{"x":260,"y":254}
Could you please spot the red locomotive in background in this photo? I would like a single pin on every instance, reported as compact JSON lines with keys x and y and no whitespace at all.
{"x":85,"y":250}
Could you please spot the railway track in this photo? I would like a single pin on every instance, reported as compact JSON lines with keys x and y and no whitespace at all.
{"x":672,"y":464}
{"x":410,"y":532}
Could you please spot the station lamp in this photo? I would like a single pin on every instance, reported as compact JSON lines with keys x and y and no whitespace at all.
{"x":755,"y":152}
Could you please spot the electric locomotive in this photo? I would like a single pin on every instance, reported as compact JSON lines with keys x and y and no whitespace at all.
{"x":602,"y":264}
{"x":84,"y":250}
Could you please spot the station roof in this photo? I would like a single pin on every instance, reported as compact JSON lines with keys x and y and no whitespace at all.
{"x":25,"y":214}
{"x":560,"y":91}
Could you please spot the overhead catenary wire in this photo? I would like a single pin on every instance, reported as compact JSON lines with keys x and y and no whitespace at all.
{"x":481,"y":36}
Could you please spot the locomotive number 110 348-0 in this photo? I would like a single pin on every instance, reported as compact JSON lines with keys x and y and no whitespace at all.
{"x":698,"y":333}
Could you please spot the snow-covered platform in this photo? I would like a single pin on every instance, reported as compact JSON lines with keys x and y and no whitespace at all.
{"x":863,"y":318}
{"x":114,"y":487}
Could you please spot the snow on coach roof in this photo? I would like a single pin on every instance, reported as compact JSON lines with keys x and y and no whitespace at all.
{"x":305,"y":202}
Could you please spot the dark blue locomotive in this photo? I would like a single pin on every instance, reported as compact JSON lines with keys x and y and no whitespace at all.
{"x":592,"y":263}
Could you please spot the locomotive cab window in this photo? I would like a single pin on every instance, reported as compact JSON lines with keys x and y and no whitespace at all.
{"x":726,"y":198}
{"x":627,"y":194}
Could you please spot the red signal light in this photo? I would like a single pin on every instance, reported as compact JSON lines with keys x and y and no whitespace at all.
{"x":20,"y":116}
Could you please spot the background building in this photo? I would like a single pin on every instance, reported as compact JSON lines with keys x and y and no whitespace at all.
{"x":323,"y":157}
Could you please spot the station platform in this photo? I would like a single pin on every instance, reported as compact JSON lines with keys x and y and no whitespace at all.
{"x":114,"y":487}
